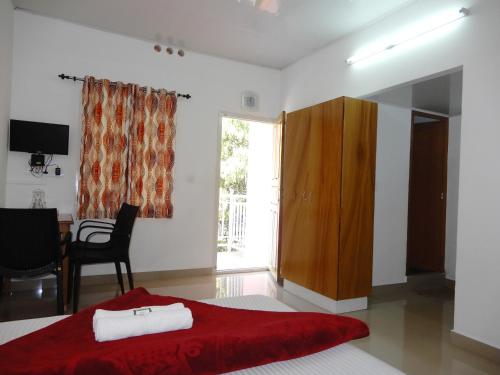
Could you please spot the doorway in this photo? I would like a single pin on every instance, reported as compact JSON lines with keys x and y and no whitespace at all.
{"x":427,"y":194}
{"x":247,"y":211}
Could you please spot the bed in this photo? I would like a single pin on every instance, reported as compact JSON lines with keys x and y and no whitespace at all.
{"x":342,"y":359}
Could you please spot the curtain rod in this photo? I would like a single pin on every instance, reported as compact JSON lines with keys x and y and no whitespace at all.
{"x":74,"y":78}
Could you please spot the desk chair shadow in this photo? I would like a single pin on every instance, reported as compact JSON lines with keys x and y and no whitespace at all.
{"x":30,"y":246}
{"x":115,"y":250}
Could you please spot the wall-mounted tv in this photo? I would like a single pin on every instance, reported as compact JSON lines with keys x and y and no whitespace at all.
{"x":38,"y":137}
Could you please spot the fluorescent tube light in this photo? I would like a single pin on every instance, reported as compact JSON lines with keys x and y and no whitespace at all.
{"x":423,"y":29}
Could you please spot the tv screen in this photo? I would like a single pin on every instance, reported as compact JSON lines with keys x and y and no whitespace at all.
{"x":38,"y":137}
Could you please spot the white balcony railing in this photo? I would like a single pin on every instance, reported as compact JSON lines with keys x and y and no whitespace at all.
{"x":232,"y":222}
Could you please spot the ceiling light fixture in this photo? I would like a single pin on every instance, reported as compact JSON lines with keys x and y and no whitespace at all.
{"x":269,"y":6}
{"x":404,"y":37}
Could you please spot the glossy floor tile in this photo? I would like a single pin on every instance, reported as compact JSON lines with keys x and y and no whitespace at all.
{"x":237,"y":260}
{"x":410,"y":325}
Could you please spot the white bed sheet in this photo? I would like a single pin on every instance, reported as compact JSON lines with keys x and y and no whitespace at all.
{"x":344,"y":359}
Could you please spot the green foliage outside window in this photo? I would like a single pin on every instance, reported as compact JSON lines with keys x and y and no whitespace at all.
{"x":234,"y":156}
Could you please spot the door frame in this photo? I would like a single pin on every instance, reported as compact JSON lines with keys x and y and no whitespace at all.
{"x":239,"y":116}
{"x":415,"y":113}
{"x":279,"y":229}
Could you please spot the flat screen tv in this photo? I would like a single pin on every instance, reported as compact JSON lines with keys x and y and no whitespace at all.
{"x":38,"y":137}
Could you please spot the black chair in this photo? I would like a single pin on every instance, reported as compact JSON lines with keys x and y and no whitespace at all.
{"x":30,"y":246}
{"x":115,"y":250}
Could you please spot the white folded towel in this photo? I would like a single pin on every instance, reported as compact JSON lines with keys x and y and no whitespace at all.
{"x":99,"y":313}
{"x":113,"y":328}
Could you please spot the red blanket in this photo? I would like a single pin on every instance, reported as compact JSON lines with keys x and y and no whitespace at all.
{"x":221,"y":340}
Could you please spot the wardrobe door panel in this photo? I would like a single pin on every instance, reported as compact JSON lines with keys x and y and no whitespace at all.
{"x":296,"y":219}
{"x":357,"y":199}
{"x":311,"y":203}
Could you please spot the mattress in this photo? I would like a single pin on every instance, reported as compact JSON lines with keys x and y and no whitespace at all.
{"x":340,"y":360}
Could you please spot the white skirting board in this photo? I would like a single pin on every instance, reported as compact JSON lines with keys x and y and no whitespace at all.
{"x":337,"y":307}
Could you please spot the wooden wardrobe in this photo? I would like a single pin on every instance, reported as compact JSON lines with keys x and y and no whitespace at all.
{"x":328,"y":183}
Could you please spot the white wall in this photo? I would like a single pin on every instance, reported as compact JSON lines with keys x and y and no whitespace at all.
{"x":45,"y":47}
{"x":6,"y":33}
{"x":472,"y":43}
{"x":391,"y":194}
{"x":452,"y":196}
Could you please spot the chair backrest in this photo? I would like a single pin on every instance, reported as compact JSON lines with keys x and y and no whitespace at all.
{"x":120,"y":238}
{"x":29,"y":239}
{"x":126,"y":218}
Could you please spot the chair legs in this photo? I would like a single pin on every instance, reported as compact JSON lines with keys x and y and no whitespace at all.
{"x":77,"y":269}
{"x":119,"y":276}
{"x":71,"y":279}
{"x":60,"y":292}
{"x":75,"y":276}
{"x":129,"y":275}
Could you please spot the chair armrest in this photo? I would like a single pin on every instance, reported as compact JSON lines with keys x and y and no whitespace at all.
{"x":90,"y":235}
{"x":82,"y":227}
{"x":97,"y":222}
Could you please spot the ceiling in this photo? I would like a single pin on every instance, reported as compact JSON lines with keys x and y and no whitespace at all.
{"x":273,"y":33}
{"x":441,"y":94}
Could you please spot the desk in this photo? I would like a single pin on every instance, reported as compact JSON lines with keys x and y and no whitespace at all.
{"x":65,"y":222}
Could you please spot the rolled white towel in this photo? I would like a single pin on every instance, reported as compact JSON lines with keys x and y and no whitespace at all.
{"x":100,"y":313}
{"x":114,"y":328}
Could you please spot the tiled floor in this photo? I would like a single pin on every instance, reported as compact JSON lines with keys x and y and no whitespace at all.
{"x":410,"y":326}
{"x":237,"y":260}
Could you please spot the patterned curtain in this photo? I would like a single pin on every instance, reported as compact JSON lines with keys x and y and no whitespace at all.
{"x":103,"y":158}
{"x":151,"y":156}
{"x":127,"y":149}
